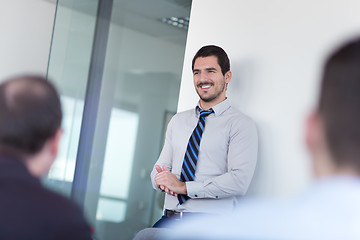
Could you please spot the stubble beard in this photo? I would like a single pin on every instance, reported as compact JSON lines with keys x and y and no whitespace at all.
{"x":213,"y":96}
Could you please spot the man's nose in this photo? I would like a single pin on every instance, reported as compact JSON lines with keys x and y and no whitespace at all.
{"x":203,"y":76}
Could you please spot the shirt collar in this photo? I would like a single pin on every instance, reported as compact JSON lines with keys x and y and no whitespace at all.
{"x":219,"y":108}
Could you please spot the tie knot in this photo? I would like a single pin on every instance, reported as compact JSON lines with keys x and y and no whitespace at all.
{"x":205,"y":113}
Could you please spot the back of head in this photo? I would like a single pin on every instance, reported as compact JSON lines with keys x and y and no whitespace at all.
{"x":339,"y":104}
{"x":30,"y":114}
{"x":212,"y":50}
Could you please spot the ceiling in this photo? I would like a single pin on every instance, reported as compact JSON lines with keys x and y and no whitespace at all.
{"x":142,"y":15}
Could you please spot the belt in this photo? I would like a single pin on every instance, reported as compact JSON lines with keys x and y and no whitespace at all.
{"x":175,"y":214}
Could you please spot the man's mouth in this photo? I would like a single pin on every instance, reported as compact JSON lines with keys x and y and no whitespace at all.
{"x":205,"y":85}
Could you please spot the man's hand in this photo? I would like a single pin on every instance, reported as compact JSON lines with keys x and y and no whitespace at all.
{"x":162,"y":187}
{"x":165,"y":179}
{"x":159,"y":169}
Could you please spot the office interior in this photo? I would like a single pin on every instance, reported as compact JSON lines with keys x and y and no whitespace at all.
{"x":123,"y":69}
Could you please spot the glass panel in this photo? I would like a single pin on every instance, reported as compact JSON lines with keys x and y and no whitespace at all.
{"x":139,"y":94}
{"x":116,"y":174}
{"x":68,"y":68}
{"x":64,"y":166}
{"x":111,"y":210}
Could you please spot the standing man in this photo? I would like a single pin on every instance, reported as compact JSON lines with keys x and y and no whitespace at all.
{"x":30,"y":131}
{"x":330,"y":210}
{"x":210,"y":152}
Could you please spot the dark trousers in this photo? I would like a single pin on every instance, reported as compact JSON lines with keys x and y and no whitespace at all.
{"x":165,"y":220}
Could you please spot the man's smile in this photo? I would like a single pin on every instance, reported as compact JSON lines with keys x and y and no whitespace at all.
{"x":205,"y":85}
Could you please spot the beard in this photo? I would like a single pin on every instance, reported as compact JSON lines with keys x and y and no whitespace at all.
{"x":213,"y":96}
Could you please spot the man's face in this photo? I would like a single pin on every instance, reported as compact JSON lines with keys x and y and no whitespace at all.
{"x":209,"y":82}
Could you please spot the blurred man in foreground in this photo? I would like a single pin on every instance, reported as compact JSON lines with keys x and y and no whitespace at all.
{"x":330,"y":209}
{"x":30,"y":119}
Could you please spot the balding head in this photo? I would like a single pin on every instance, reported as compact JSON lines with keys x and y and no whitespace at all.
{"x":30,"y":114}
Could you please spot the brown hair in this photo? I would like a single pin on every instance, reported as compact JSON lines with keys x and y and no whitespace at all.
{"x":339,"y":104}
{"x":212,"y":50}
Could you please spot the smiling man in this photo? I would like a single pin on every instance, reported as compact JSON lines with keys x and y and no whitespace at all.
{"x":210,"y":152}
{"x":329,"y":209}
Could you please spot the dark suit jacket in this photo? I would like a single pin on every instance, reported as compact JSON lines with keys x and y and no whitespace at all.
{"x":29,"y":211}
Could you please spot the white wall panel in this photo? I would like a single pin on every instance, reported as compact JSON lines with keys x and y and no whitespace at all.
{"x":25,"y":36}
{"x":276,"y":50}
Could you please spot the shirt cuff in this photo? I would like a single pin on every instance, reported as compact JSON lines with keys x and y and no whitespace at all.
{"x":195,"y":189}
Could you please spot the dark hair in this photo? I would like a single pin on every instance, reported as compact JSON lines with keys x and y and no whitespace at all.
{"x":212,"y":50}
{"x":339,"y":104}
{"x":30,"y":114}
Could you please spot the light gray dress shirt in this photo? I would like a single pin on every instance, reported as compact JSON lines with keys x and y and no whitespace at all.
{"x":226,"y":161}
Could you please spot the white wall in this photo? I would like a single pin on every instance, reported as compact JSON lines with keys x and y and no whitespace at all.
{"x":276,"y":50}
{"x":25,"y":36}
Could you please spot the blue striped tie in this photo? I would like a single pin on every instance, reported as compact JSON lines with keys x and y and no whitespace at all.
{"x":191,"y":154}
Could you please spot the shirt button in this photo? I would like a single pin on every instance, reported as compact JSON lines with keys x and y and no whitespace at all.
{"x":217,"y":197}
{"x":195,"y":195}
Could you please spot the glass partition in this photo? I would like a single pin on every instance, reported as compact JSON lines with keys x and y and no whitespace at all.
{"x":138,"y":95}
{"x":68,"y":68}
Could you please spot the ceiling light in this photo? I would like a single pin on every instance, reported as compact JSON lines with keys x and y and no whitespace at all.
{"x":179,"y":22}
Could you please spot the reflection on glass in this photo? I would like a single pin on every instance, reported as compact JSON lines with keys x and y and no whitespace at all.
{"x":119,"y":155}
{"x":140,"y":87}
{"x":64,"y":167}
{"x":68,"y":68}
{"x":111,"y":210}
